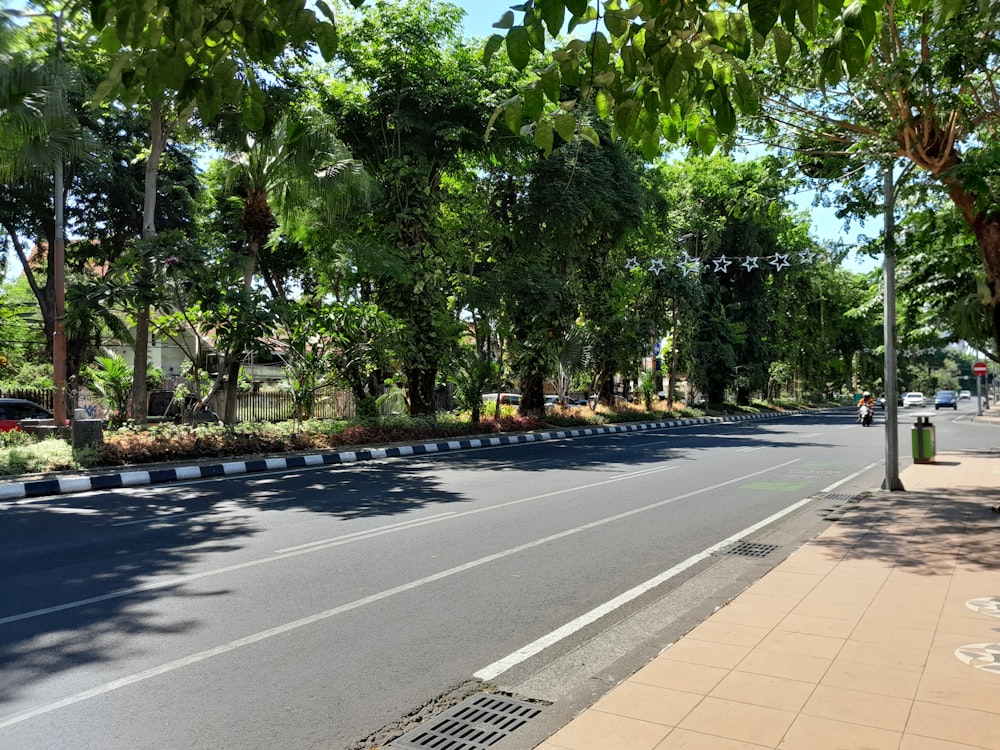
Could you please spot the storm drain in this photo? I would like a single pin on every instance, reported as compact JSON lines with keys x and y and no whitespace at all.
{"x":751,"y":549}
{"x":476,"y":723}
{"x":837,"y":497}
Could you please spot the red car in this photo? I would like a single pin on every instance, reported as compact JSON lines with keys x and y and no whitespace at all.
{"x":13,"y":410}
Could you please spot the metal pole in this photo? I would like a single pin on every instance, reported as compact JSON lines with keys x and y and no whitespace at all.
{"x":979,"y":395}
{"x":892,"y":481}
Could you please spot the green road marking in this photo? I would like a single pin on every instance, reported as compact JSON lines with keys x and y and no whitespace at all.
{"x":775,"y":485}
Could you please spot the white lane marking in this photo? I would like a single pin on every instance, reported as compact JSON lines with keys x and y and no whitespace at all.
{"x":368,"y":532}
{"x":497,"y":668}
{"x":749,"y":450}
{"x":288,"y":627}
{"x":313,"y":547}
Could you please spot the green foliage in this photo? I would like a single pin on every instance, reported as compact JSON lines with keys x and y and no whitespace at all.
{"x":472,"y":373}
{"x":38,"y":457}
{"x":112,"y":379}
{"x":647,"y":83}
{"x":29,"y":375}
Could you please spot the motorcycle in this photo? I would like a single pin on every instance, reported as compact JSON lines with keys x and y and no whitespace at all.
{"x":865,"y":415}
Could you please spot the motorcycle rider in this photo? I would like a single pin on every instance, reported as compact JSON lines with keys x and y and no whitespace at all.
{"x":866,"y":400}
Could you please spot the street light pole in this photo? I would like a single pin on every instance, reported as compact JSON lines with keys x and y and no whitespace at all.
{"x":892,"y":481}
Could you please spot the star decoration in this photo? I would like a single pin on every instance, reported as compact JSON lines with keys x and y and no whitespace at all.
{"x":657,"y":265}
{"x":750,"y":262}
{"x":684,"y":260}
{"x":722,"y":264}
{"x":631,"y":263}
{"x":780,"y":261}
{"x":693,"y":267}
{"x":806,"y":256}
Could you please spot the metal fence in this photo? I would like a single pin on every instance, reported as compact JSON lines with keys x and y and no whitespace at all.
{"x":41,"y":396}
{"x":277,"y":406}
{"x":254,"y":406}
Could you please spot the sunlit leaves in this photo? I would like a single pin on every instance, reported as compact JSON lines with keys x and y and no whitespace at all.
{"x":518,"y":47}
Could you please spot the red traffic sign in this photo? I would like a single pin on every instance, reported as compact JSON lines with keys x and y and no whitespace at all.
{"x":979,"y":368}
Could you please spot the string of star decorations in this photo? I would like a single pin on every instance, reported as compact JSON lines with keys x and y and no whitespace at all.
{"x":690,"y":264}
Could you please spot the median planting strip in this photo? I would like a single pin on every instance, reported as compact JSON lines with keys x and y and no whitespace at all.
{"x":135,"y":478}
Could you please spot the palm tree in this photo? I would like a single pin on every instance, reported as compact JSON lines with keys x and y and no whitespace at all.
{"x":294,"y":161}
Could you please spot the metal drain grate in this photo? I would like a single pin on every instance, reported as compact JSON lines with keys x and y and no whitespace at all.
{"x":476,"y":723}
{"x":838,"y":497}
{"x":751,"y":549}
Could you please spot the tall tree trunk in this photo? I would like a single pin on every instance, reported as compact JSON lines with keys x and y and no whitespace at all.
{"x":158,"y":132}
{"x":532,"y":394}
{"x":987,"y":232}
{"x":420,"y":382}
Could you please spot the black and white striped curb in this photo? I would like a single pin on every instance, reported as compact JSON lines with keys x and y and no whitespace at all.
{"x":67,"y":485}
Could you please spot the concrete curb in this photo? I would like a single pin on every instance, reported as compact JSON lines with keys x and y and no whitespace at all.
{"x":137,"y":478}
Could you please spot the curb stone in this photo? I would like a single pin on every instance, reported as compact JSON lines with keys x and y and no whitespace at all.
{"x":138,"y":478}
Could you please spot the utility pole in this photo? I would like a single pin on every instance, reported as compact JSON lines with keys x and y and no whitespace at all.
{"x":892,"y":481}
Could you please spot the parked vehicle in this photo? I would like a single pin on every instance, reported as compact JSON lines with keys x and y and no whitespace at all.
{"x":964,"y":395}
{"x":13,"y":410}
{"x":914,"y":398}
{"x":506,"y":399}
{"x":946,"y":398}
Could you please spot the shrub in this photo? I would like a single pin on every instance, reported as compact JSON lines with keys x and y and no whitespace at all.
{"x":44,"y":456}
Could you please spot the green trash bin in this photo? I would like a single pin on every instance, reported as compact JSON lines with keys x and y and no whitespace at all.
{"x":922,"y":436}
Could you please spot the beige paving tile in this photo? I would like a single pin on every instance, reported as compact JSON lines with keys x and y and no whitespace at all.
{"x":711,"y":654}
{"x":961,"y":692}
{"x":683,"y":739}
{"x":720,"y":631}
{"x":970,"y":626}
{"x":826,"y":626}
{"x":835,"y":582}
{"x":948,"y":665}
{"x":679,"y":675}
{"x":817,"y":733}
{"x":856,"y":707}
{"x":964,"y":725}
{"x":648,"y":703}
{"x":872,"y":679}
{"x":869,"y":631}
{"x":781,"y":583}
{"x":913,"y":742}
{"x":752,"y":610}
{"x":802,"y":643}
{"x":787,"y":666}
{"x":901,"y":613}
{"x":763,"y":690}
{"x":821,"y":607}
{"x":841,"y":597}
{"x":594,"y":730}
{"x":547,"y":746}
{"x":739,"y":721}
{"x":880,"y":655}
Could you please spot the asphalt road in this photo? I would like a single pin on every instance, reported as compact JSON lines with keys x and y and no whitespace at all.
{"x":308,"y":609}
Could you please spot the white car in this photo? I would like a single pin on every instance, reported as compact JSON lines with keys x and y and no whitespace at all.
{"x":914,"y":398}
{"x":963,"y":395}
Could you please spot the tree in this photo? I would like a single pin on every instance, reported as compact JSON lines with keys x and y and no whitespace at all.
{"x":415,"y":106}
{"x":859,"y":81}
{"x":664,"y":70}
{"x":179,"y":58}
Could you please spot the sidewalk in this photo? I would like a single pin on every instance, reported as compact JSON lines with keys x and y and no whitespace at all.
{"x":881,"y":633}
